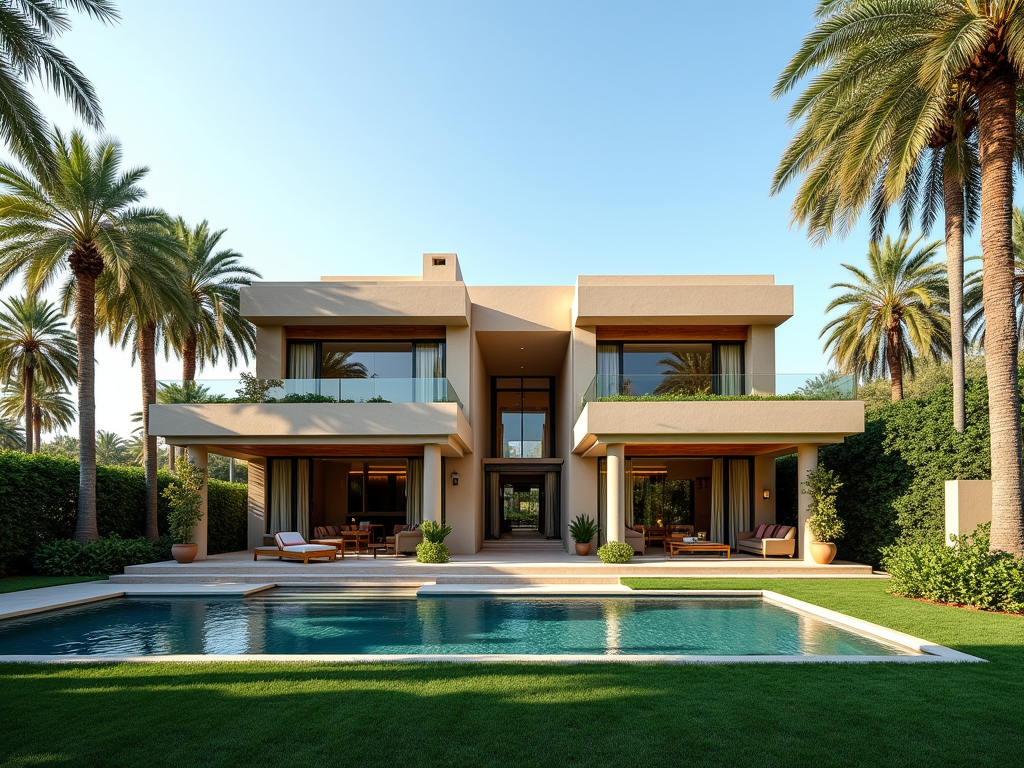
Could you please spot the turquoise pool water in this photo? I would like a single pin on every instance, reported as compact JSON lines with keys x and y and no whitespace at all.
{"x":280,"y":622}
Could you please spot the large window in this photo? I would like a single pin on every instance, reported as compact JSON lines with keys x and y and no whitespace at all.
{"x":522,"y":418}
{"x":662,"y":368}
{"x":366,"y":359}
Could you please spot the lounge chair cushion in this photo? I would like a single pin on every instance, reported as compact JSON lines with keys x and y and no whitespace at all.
{"x":308,"y":548}
{"x":288,"y":539}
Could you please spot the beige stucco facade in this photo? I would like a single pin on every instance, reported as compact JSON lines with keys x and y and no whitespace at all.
{"x":496,"y":334}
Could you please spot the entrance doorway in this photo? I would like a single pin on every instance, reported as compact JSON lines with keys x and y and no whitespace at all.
{"x":522,"y":505}
{"x":523,"y":499}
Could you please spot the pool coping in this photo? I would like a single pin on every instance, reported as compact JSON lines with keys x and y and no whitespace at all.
{"x":927,"y":651}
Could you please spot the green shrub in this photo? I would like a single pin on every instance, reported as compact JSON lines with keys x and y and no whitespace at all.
{"x":39,"y":505}
{"x":966,"y":573}
{"x":186,"y":499}
{"x":615,"y":552}
{"x":98,"y":558}
{"x":583,"y":529}
{"x":434,"y":532}
{"x":823,"y":486}
{"x":432,"y":552}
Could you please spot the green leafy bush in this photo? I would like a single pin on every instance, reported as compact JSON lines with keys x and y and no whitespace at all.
{"x":186,"y":499}
{"x":583,"y":529}
{"x":432,"y":552}
{"x":308,"y":397}
{"x":823,"y":486}
{"x":615,"y":552}
{"x":98,"y":558}
{"x":966,"y":573}
{"x":434,"y":532}
{"x":39,"y":505}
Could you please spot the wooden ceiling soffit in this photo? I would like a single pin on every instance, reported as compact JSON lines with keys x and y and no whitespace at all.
{"x":719,"y":449}
{"x":369,"y":332}
{"x":671,"y":333}
{"x":362,"y":451}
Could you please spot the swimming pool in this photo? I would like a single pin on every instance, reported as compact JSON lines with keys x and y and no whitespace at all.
{"x":324,"y":623}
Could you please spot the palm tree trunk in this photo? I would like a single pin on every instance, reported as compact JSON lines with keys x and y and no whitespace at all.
{"x":147,"y":362}
{"x":953,"y":204}
{"x":996,"y":137}
{"x":86,"y":264}
{"x":894,"y":359}
{"x":37,"y":422}
{"x":171,"y":451}
{"x":188,"y":357}
{"x":29,"y":383}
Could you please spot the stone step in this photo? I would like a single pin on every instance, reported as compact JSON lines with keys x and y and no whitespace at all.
{"x":281,"y":579}
{"x":512,"y":580}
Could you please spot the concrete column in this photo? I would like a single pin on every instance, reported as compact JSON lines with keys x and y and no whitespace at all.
{"x":806,"y":461}
{"x":197,"y":453}
{"x":432,"y":482}
{"x":615,"y":526}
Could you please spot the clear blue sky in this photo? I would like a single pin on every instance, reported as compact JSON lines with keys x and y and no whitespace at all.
{"x":538,"y":140}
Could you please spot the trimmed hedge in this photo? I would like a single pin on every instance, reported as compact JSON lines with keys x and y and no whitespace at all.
{"x":104,"y":557}
{"x":894,"y":473}
{"x":39,"y":505}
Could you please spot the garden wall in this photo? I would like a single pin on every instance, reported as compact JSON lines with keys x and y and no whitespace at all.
{"x":39,"y":504}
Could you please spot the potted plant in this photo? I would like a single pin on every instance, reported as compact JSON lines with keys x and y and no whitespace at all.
{"x":823,"y":487}
{"x":186,"y":500}
{"x":583,"y":530}
{"x":433,"y":549}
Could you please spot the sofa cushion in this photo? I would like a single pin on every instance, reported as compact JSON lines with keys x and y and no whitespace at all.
{"x":759,"y":533}
{"x":789,"y":533}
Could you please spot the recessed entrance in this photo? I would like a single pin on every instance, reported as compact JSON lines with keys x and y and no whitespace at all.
{"x":522,"y":505}
{"x":522,"y":500}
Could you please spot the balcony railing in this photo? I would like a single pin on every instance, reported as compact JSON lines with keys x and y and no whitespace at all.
{"x":248,"y":389}
{"x":707,"y":386}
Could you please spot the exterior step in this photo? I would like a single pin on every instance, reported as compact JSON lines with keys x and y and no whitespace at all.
{"x":539,"y":579}
{"x":282,"y":579}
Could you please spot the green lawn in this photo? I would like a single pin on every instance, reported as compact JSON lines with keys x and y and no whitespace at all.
{"x":544,"y":715}
{"x":18,"y":583}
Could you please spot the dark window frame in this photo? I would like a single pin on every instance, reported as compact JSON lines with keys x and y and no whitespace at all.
{"x":319,"y":354}
{"x":496,"y":450}
{"x":715,"y":362}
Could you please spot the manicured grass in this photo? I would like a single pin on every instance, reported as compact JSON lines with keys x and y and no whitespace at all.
{"x":222,"y":714}
{"x":18,"y":583}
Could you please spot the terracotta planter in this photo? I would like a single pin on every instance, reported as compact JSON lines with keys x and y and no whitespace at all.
{"x":583,"y":549}
{"x":184,"y":553}
{"x":823,"y":552}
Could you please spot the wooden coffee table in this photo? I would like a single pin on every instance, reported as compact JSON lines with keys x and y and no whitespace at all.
{"x":697,"y":546}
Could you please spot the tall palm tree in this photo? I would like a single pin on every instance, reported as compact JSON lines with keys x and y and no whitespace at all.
{"x":83,"y":219}
{"x":215,"y":327}
{"x":905,"y":59}
{"x":11,"y":436}
{"x":36,"y":348}
{"x":135,"y":314}
{"x":111,"y":449}
{"x":28,"y":54}
{"x":974,"y":294}
{"x":685,"y":373}
{"x":893,"y":311}
{"x":52,"y":409}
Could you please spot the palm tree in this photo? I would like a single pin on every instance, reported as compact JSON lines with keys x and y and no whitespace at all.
{"x":903,"y":61}
{"x":27,"y":54}
{"x":973,"y":294}
{"x":184,"y":393}
{"x":111,"y":449}
{"x":136,"y":313}
{"x":686,"y":373}
{"x":36,"y":347}
{"x":52,"y":409}
{"x":83,"y":219}
{"x":215,"y":327}
{"x":336,"y":365}
{"x":11,"y":436}
{"x":893,"y":313}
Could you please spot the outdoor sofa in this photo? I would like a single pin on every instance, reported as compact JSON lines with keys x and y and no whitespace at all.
{"x":768,"y":540}
{"x":637,"y":540}
{"x":292,"y":546}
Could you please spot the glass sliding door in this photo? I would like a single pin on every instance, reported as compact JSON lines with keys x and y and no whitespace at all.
{"x":522,"y":418}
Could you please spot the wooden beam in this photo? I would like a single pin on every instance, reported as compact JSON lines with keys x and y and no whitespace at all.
{"x":671,"y":333}
{"x":365,"y":332}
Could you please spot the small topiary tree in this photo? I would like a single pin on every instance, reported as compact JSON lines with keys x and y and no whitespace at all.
{"x":186,"y":500}
{"x":615,"y":552}
{"x":433,"y":549}
{"x":823,"y":487}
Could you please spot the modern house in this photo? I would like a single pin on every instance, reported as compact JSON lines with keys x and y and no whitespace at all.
{"x":633,"y":399}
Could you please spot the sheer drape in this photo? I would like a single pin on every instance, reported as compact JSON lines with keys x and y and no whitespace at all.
{"x":629,"y":493}
{"x":608,"y":372}
{"x":730,"y":369}
{"x":302,"y":361}
{"x":552,"y":507}
{"x":414,"y":491}
{"x":302,"y":497}
{"x":739,"y":498}
{"x":281,"y":495}
{"x":494,"y":491}
{"x":717,"y":532}
{"x":428,"y":362}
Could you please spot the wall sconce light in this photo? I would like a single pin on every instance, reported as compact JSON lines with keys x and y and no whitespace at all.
{"x":455,"y":478}
{"x":767,"y":493}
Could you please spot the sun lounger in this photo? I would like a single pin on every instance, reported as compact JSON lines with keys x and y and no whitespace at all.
{"x":291,"y":546}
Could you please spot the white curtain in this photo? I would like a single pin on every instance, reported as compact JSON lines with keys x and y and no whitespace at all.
{"x":629,"y":493}
{"x":739,"y":498}
{"x":552,"y":506}
{"x":302,"y":497}
{"x":414,"y":491}
{"x":717,"y":501}
{"x":281,"y":495}
{"x":431,"y":386}
{"x":496,"y":516}
{"x":607,"y":370}
{"x":730,"y":369}
{"x":302,"y":361}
